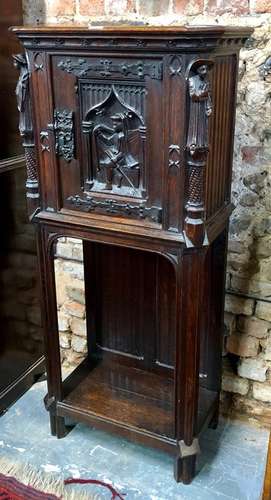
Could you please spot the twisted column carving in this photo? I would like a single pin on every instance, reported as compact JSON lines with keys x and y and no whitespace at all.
{"x":26,"y":132}
{"x":197,"y":148}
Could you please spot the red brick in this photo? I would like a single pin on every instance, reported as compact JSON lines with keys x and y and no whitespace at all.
{"x":243,"y":345}
{"x":153,"y":7}
{"x":131,"y":6}
{"x":260,"y":6}
{"x":57,"y":8}
{"x":250,"y":153}
{"x":120,"y":7}
{"x":219,"y":7}
{"x":91,"y":7}
{"x":193,"y":7}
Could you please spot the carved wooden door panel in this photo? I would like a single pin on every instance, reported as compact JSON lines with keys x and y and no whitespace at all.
{"x":106,"y":136}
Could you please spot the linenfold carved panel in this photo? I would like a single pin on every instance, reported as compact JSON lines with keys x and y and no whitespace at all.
{"x":114,"y":132}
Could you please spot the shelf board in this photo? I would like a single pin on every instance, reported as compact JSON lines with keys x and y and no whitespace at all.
{"x":120,"y":393}
{"x":127,"y":400}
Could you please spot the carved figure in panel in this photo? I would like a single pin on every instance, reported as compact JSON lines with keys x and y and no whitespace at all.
{"x":197,"y":146}
{"x":115,"y":132}
{"x":26,"y":131}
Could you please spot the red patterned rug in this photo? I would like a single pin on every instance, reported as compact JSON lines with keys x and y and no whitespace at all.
{"x":11,"y":489}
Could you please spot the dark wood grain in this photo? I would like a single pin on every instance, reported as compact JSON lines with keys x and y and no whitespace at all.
{"x":11,"y":12}
{"x":135,"y":158}
{"x":113,"y":392}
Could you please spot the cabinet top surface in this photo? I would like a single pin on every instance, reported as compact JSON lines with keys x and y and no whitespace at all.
{"x":182,"y":31}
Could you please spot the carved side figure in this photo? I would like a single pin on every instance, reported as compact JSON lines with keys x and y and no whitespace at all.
{"x":26,"y":132}
{"x":200,"y":110}
{"x":197,"y":148}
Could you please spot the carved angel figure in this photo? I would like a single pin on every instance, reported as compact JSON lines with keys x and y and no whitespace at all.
{"x":22,"y":94}
{"x":112,"y":149}
{"x":200,"y":110}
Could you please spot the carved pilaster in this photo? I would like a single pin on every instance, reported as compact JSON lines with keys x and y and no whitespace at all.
{"x":197,"y":148}
{"x":26,"y":132}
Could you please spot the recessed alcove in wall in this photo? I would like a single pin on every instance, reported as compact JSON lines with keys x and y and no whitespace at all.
{"x":116,"y":315}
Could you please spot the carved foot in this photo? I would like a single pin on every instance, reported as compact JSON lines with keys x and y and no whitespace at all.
{"x":58,"y":426}
{"x":185,"y":468}
{"x":185,"y":463}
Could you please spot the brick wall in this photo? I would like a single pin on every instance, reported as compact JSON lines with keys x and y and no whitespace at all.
{"x":247,"y":370}
{"x":19,"y":293}
{"x":168,"y":10}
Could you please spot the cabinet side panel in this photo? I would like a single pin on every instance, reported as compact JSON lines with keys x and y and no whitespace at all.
{"x":219,"y":164}
{"x":10,"y":144}
{"x":212,"y":325}
{"x":166,"y":313}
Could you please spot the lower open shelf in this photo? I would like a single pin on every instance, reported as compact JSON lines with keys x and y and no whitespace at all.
{"x":126,"y":400}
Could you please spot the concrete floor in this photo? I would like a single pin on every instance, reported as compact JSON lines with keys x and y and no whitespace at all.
{"x":231,"y":465}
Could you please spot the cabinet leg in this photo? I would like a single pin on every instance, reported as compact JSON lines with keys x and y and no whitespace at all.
{"x":185,"y":469}
{"x":53,"y":424}
{"x":58,"y":426}
{"x":185,"y":463}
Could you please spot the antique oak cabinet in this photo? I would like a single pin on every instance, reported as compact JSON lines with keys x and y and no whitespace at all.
{"x":128,"y":135}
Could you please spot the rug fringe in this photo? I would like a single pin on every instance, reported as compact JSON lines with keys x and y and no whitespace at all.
{"x":42,"y":481}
